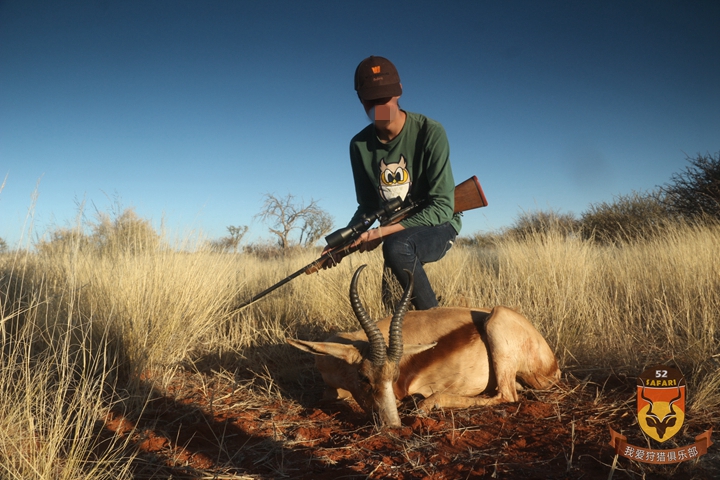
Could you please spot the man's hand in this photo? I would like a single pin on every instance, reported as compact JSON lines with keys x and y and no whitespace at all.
{"x":366,"y":242}
{"x":369,"y":240}
{"x":372,"y":238}
{"x":333,"y":260}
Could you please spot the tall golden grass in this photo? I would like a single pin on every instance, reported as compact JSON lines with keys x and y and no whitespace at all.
{"x":84,"y":330}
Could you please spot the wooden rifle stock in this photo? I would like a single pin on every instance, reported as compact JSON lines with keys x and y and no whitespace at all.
{"x":468,"y":195}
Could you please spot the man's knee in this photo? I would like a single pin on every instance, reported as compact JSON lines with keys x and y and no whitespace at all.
{"x":396,"y":249}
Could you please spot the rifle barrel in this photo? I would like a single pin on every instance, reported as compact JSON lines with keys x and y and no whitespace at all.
{"x":309,"y":268}
{"x":258,"y":296}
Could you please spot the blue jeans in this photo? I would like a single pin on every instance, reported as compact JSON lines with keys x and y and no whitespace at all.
{"x":410,"y":249}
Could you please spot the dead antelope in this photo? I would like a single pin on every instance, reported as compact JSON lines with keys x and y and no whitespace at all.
{"x":447,"y":355}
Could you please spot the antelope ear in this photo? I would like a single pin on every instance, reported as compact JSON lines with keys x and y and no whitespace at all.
{"x":338,"y":350}
{"x":415,"y":349}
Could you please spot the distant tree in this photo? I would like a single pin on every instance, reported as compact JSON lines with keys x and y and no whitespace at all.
{"x":695,"y":192}
{"x":315,"y":227}
{"x":232,"y":241}
{"x":286,"y":215}
{"x":3,"y":245}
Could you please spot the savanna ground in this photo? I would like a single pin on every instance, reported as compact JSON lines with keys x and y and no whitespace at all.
{"x":129,"y":363}
{"x":206,"y":425}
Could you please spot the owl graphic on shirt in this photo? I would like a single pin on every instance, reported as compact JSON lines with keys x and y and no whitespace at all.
{"x":394,"y":179}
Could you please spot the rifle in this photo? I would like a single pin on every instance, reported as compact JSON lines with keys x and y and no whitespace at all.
{"x":468,"y":195}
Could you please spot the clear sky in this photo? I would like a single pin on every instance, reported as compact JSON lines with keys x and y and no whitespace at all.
{"x":189,"y":111}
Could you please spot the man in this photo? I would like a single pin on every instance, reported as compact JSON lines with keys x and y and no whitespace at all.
{"x":407,"y":155}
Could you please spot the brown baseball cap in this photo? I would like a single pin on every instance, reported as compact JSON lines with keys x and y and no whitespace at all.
{"x":377,"y":77}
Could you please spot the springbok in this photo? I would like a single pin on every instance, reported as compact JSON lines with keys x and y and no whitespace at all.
{"x":449,"y":356}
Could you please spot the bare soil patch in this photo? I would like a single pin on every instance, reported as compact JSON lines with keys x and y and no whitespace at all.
{"x":216,"y":425}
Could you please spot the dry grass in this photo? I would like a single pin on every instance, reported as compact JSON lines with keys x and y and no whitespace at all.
{"x":83,"y":332}
{"x":609,"y":307}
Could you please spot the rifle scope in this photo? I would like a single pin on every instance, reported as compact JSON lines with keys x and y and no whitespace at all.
{"x":352,"y":232}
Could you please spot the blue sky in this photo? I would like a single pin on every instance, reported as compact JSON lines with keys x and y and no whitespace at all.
{"x":190,"y":111}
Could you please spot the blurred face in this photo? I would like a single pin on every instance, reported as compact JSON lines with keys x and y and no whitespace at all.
{"x":381,"y":111}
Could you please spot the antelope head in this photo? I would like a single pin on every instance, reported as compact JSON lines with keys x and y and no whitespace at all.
{"x":654,"y":421}
{"x":379,"y":368}
{"x":366,"y":369}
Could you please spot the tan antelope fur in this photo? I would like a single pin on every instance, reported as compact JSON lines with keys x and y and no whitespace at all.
{"x":449,"y":355}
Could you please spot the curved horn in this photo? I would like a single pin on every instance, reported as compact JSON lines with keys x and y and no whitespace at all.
{"x":650,"y":402}
{"x":375,"y":338}
{"x":395,"y":350}
{"x":672,"y":407}
{"x":679,"y":396}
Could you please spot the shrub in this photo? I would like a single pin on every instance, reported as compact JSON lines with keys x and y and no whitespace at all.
{"x":64,"y":241}
{"x":479,"y":240}
{"x":126,"y":233}
{"x":266,"y":249}
{"x":628,"y":217}
{"x":231,"y":242}
{"x":530,"y":224}
{"x":695,"y":192}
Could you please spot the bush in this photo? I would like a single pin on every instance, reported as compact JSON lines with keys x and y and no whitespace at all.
{"x":126,"y":233}
{"x":530,"y":224}
{"x":231,"y":242}
{"x":64,"y":241}
{"x":628,"y":217}
{"x":479,"y":240}
{"x":695,"y":193}
{"x":268,"y":250}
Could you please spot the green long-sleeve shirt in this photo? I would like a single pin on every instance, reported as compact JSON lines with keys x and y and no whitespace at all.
{"x":416,"y":162}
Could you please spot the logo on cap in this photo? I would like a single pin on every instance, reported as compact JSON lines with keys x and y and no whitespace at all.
{"x":375,"y":69}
